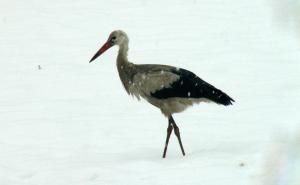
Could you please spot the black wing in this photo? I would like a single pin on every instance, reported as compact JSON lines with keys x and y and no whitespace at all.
{"x":190,"y":85}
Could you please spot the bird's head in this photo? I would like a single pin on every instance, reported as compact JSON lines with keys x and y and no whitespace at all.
{"x":117,"y":37}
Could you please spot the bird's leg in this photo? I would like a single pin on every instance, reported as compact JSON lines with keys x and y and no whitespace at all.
{"x":169,"y":131}
{"x":177,"y":133}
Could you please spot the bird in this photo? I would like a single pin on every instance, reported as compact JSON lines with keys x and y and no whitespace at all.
{"x":171,"y":89}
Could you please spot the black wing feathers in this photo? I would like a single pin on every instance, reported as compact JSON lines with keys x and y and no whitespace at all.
{"x":190,"y":85}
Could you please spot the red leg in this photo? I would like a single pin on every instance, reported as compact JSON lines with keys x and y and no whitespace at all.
{"x":177,"y":133}
{"x":169,"y":131}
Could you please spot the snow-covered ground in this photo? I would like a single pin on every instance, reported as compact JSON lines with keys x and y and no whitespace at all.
{"x":64,"y":121}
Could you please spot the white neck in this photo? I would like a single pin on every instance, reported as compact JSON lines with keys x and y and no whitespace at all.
{"x":123,"y":51}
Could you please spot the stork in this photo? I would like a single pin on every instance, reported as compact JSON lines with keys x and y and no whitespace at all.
{"x":169,"y":88}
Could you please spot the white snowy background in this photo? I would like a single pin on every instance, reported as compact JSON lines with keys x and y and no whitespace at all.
{"x":64,"y":121}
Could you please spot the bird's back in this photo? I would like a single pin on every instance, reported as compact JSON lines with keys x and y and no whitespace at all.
{"x":190,"y":85}
{"x":163,"y":82}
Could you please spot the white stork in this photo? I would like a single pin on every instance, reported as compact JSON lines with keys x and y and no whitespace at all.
{"x":170,"y":89}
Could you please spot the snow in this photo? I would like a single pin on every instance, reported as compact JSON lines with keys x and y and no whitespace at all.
{"x":65,"y":121}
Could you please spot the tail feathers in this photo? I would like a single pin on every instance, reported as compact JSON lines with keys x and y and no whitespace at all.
{"x":220,"y":97}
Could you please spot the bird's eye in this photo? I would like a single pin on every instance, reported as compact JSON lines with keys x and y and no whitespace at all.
{"x":112,"y":40}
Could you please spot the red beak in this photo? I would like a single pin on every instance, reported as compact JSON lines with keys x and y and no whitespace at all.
{"x":106,"y":46}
